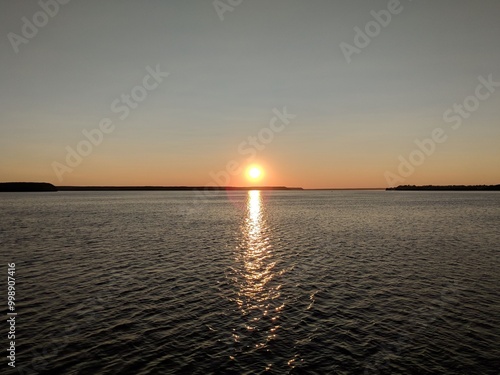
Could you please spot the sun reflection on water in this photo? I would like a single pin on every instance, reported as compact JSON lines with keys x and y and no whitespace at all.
{"x":257,"y":279}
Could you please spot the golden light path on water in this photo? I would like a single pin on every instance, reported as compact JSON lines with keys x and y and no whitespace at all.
{"x":257,"y":280}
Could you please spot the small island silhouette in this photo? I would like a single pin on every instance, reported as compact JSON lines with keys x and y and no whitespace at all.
{"x":446,"y":188}
{"x":26,"y":186}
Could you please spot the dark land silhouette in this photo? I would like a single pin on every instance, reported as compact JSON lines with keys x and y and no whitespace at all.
{"x":172,"y":188}
{"x":44,"y":186}
{"x":446,"y":188}
{"x":47,"y":187}
{"x":26,"y":186}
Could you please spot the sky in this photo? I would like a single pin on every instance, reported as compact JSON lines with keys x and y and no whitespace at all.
{"x":318,"y":93}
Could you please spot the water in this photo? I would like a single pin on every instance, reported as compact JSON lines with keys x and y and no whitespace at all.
{"x":254,"y":282}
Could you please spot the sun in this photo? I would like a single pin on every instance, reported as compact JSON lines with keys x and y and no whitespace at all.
{"x":255,"y":172}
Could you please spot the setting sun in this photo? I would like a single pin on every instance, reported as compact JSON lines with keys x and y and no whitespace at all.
{"x":254,"y":172}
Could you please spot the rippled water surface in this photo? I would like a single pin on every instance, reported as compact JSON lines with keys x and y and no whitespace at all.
{"x":254,"y":282}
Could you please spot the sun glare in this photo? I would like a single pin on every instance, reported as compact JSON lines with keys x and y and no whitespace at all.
{"x":254,"y":173}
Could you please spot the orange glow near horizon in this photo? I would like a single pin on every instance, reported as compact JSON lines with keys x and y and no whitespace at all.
{"x":337,"y":169}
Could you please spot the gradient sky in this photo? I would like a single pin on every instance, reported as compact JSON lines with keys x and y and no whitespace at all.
{"x":226,"y":77}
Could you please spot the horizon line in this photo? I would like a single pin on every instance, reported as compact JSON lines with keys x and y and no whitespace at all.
{"x":223,"y":188}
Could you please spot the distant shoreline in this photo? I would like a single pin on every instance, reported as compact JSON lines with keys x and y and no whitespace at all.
{"x":446,"y":188}
{"x":172,"y":188}
{"x":47,"y":187}
{"x":13,"y":187}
